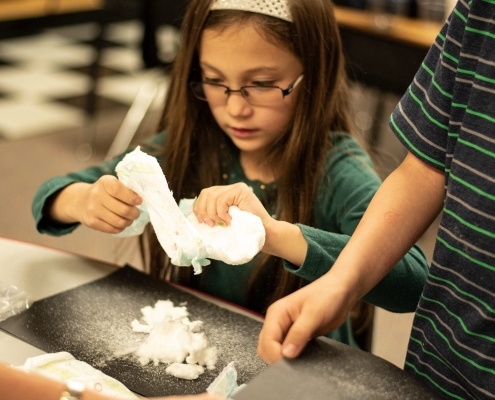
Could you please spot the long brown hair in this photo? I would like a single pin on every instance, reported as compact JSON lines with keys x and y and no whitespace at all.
{"x":193,"y":136}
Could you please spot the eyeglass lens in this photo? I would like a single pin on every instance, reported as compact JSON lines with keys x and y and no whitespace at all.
{"x":215,"y":94}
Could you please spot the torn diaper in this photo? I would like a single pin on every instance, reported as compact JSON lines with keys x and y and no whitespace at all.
{"x":185,"y":240}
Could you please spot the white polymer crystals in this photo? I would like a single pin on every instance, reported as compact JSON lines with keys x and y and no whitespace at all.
{"x":173,"y":339}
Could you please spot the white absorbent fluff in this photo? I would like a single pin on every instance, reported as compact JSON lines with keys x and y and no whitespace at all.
{"x":173,"y":339}
{"x":185,"y":371}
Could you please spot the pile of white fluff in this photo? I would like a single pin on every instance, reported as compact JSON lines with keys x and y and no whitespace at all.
{"x":173,"y":339}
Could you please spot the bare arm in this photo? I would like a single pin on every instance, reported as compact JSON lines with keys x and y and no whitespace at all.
{"x":286,"y":241}
{"x":400,"y":212}
{"x":402,"y":209}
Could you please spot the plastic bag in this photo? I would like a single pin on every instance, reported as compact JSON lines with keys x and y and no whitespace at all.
{"x":12,"y":300}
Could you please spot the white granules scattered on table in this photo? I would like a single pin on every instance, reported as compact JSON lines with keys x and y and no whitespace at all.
{"x":173,"y":339}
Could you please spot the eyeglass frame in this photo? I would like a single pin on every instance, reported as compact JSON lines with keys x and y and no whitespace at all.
{"x":285,"y":92}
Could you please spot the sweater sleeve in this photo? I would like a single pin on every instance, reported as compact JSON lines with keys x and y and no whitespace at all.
{"x":398,"y":291}
{"x":352,"y":184}
{"x":51,"y":187}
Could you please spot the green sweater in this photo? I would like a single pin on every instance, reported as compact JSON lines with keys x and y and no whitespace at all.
{"x":345,"y":191}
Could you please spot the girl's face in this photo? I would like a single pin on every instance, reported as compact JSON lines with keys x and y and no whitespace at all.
{"x":239,"y":56}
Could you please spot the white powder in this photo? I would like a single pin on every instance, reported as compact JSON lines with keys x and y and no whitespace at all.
{"x":173,"y":339}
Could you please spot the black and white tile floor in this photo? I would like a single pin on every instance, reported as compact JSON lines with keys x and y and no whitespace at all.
{"x":44,"y":78}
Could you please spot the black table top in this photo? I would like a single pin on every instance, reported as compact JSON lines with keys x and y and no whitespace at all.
{"x":93,"y":323}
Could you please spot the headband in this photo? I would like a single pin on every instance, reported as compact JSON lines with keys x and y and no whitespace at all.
{"x":273,"y":8}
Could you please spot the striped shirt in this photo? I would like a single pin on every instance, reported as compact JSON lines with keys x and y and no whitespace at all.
{"x":447,"y":119}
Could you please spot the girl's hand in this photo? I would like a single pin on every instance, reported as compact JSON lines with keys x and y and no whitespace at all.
{"x":106,"y":205}
{"x":212,"y":205}
{"x":283,"y":239}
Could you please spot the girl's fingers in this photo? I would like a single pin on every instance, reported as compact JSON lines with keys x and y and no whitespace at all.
{"x":107,"y":221}
{"x":218,"y":206}
{"x":123,"y":210}
{"x":212,"y":205}
{"x":207,"y":206}
{"x":211,"y":208}
{"x":103,"y":226}
{"x":116,"y":189}
{"x":199,"y":207}
{"x":223,"y":211}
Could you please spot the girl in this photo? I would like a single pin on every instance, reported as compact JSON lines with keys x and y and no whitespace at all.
{"x":258,"y":96}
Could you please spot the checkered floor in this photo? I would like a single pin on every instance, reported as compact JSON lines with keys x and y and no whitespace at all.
{"x":44,"y":78}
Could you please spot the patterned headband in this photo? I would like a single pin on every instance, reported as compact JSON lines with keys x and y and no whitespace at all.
{"x":273,"y":8}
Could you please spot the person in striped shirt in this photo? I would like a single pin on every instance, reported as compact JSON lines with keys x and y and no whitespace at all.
{"x":446,"y":120}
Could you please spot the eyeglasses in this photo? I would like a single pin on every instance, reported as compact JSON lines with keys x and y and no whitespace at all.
{"x":258,"y":95}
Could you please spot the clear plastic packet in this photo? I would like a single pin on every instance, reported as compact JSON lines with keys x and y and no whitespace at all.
{"x":12,"y":300}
